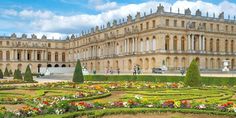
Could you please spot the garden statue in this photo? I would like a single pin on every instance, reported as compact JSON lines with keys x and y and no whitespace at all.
{"x":225,"y":66}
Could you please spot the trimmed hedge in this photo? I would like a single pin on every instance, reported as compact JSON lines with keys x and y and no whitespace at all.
{"x":218,"y":81}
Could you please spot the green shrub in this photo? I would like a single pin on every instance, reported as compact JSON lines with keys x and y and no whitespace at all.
{"x":17,"y":74}
{"x":193,"y":77}
{"x":28,"y":75}
{"x":78,"y":74}
{"x":1,"y":74}
{"x":10,"y":72}
{"x":6,"y":73}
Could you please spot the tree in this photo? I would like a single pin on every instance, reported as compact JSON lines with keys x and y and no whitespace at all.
{"x":1,"y":74}
{"x":78,"y":74}
{"x":17,"y":74}
{"x":28,"y":77}
{"x":193,"y":76}
{"x":6,"y":73}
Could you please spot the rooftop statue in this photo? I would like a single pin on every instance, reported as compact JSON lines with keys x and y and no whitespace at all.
{"x":137,"y":16}
{"x":13,"y":35}
{"x":198,"y":13}
{"x":160,"y":9}
{"x":44,"y":37}
{"x":108,"y":25}
{"x":114,"y":22}
{"x":33,"y":36}
{"x":187,"y":12}
{"x":72,"y":36}
{"x":221,"y":15}
{"x":129,"y":18}
{"x":24,"y":36}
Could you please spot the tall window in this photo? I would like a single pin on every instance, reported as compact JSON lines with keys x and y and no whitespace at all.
{"x":182,"y":24}
{"x":141,"y":26}
{"x":226,"y":45}
{"x":147,"y":25}
{"x":211,"y":45}
{"x":63,"y":57}
{"x":175,"y":43}
{"x":1,"y":55}
{"x":167,"y":22}
{"x":232,"y":46}
{"x":218,"y":27}
{"x":182,"y":44}
{"x":211,"y":27}
{"x":49,"y":56}
{"x":8,"y":55}
{"x":153,"y":24}
{"x":217,"y":45}
{"x":175,"y":23}
{"x":167,"y":41}
{"x":38,"y":55}
{"x":56,"y":56}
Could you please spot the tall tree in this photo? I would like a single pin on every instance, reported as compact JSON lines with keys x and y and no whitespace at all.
{"x":78,"y":74}
{"x":193,"y":76}
{"x":28,"y":77}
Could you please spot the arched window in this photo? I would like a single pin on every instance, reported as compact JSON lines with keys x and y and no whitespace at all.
{"x":63,"y":57}
{"x":8,"y":55}
{"x":1,"y":55}
{"x":147,"y":44}
{"x":175,"y":43}
{"x":56,"y":56}
{"x":217,"y":45}
{"x":211,"y":45}
{"x":226,"y":45}
{"x":182,"y":44}
{"x":167,"y":42}
{"x":232,"y":46}
{"x":141,"y":45}
{"x":154,"y":43}
{"x":49,"y":56}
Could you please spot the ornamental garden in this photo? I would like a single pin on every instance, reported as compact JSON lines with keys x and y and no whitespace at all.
{"x":105,"y":95}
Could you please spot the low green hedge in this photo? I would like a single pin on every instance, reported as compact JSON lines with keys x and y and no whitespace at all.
{"x":218,"y":81}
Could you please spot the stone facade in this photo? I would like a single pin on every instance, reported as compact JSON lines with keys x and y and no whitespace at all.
{"x":160,"y":38}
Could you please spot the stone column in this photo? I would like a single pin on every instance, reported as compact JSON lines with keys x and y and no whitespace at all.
{"x":193,"y":42}
{"x":128,"y":47}
{"x":4,"y":55}
{"x":189,"y":42}
{"x":26,"y":55}
{"x":171,"y":45}
{"x":125,"y":45}
{"x":200,"y":42}
{"x":179,"y":43}
{"x":133,"y":45}
{"x":15,"y":55}
{"x":12,"y":55}
{"x":203,"y":43}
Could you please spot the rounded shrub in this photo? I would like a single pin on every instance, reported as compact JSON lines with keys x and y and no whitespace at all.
{"x":193,"y":77}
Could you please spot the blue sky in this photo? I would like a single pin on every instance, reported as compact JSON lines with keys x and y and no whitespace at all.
{"x":58,"y":18}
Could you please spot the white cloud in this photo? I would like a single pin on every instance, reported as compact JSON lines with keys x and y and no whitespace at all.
{"x":47,"y":21}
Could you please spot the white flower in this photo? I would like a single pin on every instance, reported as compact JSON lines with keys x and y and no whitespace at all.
{"x":125,"y":104}
{"x":137,"y":97}
{"x":150,"y":105}
{"x":202,"y":106}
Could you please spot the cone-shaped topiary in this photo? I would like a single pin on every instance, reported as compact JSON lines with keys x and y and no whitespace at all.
{"x":1,"y":74}
{"x":6,"y":73}
{"x":28,"y":77}
{"x":17,"y":74}
{"x":193,"y":76}
{"x":78,"y":74}
{"x":10,"y":72}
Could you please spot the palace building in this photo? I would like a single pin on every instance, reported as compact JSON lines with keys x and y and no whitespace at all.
{"x":153,"y":40}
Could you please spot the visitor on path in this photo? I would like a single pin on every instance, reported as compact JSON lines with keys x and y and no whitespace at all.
{"x":118,"y":71}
